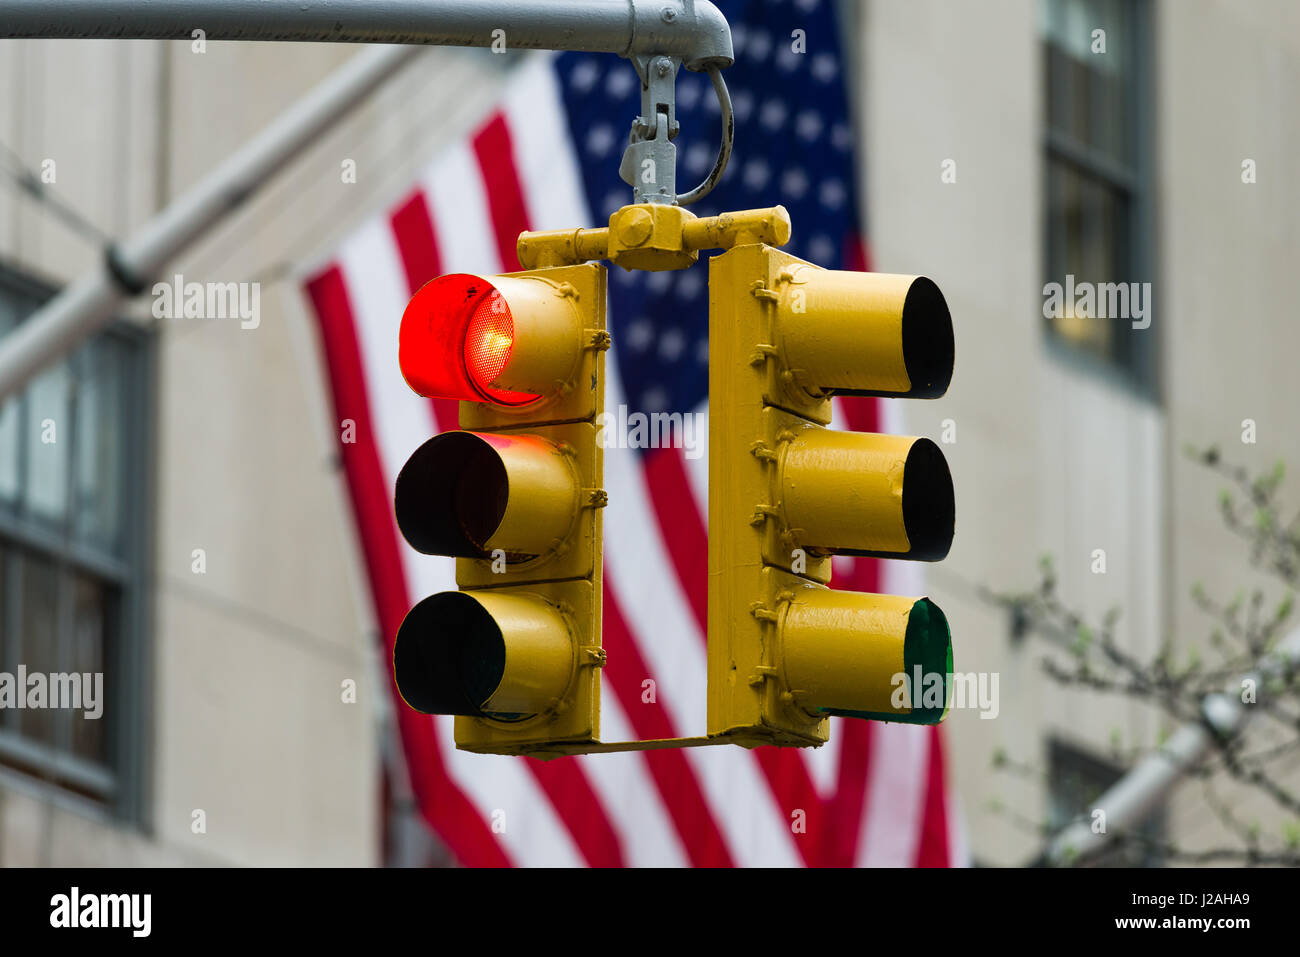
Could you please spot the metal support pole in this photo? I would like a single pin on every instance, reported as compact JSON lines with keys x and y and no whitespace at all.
{"x":130,"y":268}
{"x":1130,"y":799}
{"x":693,"y":31}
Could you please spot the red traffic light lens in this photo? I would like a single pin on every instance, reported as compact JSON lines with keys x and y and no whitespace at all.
{"x":455,"y":340}
{"x":489,"y":339}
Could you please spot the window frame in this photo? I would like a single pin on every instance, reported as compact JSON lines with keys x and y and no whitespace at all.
{"x":120,"y":787}
{"x":1085,"y":763}
{"x":1139,"y":371}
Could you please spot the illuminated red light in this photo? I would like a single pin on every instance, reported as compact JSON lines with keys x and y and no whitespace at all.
{"x":455,"y":341}
{"x":489,"y":339}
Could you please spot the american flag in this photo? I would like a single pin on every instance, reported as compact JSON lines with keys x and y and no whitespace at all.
{"x":876,"y":794}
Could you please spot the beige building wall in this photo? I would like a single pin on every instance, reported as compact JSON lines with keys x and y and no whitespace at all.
{"x":1049,"y":458}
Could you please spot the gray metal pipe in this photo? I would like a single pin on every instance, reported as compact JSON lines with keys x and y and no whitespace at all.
{"x":1130,"y":799}
{"x":692,"y":30}
{"x":84,"y":306}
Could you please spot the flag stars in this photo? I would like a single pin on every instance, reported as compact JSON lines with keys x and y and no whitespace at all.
{"x":614,"y":200}
{"x":739,"y":37}
{"x":640,"y":333}
{"x":620,"y":81}
{"x":759,"y":46}
{"x":742,"y":105}
{"x":698,"y":157}
{"x":788,"y":60}
{"x":659,"y":283}
{"x":671,"y":345}
{"x":654,"y":399}
{"x":794,"y":183}
{"x":757,"y":173}
{"x":601,"y":140}
{"x":773,"y":115}
{"x":690,"y":284}
{"x":661,"y":343}
{"x":688,"y":93}
{"x":833,"y":194}
{"x":825,"y":67}
{"x":585,"y":75}
{"x":808,"y":125}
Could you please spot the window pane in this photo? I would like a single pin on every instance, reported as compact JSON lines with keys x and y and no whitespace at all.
{"x":1111,"y":115}
{"x":91,"y":628}
{"x":8,"y":419}
{"x":65,"y":464}
{"x":1088,"y":91}
{"x":39,"y":641}
{"x":1075,"y":782}
{"x":48,"y":439}
{"x":1078,"y":119}
{"x":8,"y":655}
{"x":1088,"y":236}
{"x":101,"y":445}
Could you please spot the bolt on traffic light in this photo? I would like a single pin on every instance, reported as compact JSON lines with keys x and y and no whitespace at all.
{"x":786,"y":493}
{"x":515,"y":497}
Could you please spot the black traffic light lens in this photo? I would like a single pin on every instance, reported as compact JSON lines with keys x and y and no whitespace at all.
{"x":928,"y":347}
{"x":451,"y":496}
{"x":929,"y":507}
{"x":449,"y":656}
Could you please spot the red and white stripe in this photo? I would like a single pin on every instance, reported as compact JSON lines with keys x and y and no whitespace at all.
{"x":875,"y":795}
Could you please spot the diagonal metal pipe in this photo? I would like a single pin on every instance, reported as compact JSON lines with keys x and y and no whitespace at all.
{"x":131,"y":266}
{"x":1148,"y":785}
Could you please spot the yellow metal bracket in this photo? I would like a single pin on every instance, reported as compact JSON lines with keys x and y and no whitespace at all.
{"x":649,"y":237}
{"x":653,"y":237}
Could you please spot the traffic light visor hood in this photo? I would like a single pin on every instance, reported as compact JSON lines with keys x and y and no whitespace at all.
{"x":482,"y":655}
{"x":871,"y":334}
{"x":927,"y":654}
{"x":451,"y":495}
{"x":928,"y":346}
{"x":508,"y":341}
{"x":853,"y":655}
{"x":929,"y":505}
{"x":465,"y":494}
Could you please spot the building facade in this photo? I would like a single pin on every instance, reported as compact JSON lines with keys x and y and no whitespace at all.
{"x":171,"y":513}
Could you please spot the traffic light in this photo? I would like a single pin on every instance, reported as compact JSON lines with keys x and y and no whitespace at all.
{"x":786,"y":493}
{"x":515,"y":496}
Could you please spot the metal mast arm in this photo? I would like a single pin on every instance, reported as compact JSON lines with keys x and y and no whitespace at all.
{"x":693,"y":31}
{"x":658,"y":36}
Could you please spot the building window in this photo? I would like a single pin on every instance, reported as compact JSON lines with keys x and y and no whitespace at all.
{"x":1096,"y":207}
{"x":72,"y":450}
{"x":1076,"y":780}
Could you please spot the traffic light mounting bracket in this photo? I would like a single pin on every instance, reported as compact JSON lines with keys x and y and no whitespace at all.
{"x":660,"y":237}
{"x":650,"y":237}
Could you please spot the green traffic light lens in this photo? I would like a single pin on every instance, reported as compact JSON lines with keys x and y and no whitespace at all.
{"x":927,"y":655}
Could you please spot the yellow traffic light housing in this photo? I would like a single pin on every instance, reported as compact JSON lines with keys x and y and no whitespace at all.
{"x":515,"y":497}
{"x":515,"y":494}
{"x":786,"y":493}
